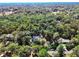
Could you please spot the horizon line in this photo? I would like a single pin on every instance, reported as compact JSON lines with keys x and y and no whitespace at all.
{"x":39,"y":2}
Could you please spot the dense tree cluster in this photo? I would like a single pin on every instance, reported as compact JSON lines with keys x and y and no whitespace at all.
{"x":40,"y":33}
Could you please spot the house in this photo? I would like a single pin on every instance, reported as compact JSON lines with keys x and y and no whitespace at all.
{"x":9,"y":37}
{"x":61,"y":40}
{"x":34,"y":38}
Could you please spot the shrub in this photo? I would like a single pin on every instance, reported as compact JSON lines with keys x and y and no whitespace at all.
{"x":71,"y":55}
{"x":61,"y":49}
{"x":75,"y":40}
{"x":40,"y":41}
{"x":42,"y":52}
{"x":76,"y":51}
{"x":24,"y":51}
{"x":22,"y":38}
{"x":12,"y":47}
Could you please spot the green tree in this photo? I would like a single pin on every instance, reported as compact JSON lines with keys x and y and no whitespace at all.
{"x":42,"y":52}
{"x":60,"y":50}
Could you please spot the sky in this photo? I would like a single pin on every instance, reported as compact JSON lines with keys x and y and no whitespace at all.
{"x":2,"y":1}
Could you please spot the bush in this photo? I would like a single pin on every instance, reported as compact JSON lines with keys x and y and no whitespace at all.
{"x":22,"y":38}
{"x":75,"y":40}
{"x":24,"y":51}
{"x":71,"y":55}
{"x":70,"y":46}
{"x":42,"y":52}
{"x":61,"y":49}
{"x":12,"y":47}
{"x":76,"y":51}
{"x":40,"y":41}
